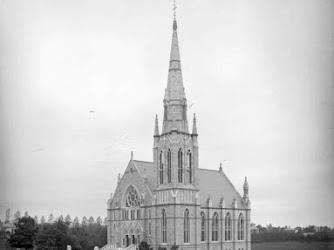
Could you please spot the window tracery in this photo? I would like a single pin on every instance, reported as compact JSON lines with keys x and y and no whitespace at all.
{"x":228,"y":227}
{"x":132,"y":198}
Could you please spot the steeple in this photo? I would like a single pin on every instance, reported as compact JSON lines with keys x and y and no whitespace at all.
{"x":246,"y":188}
{"x":175,"y":150}
{"x":175,"y":102}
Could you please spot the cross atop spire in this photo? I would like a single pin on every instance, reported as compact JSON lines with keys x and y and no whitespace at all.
{"x":174,"y":12}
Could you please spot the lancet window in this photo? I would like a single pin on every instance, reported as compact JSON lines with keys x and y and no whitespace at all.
{"x":203,"y":227}
{"x":241,"y":227}
{"x":215,"y":227}
{"x":180,"y":166}
{"x":169,"y":166}
{"x":186,"y":226}
{"x":228,"y":227}
{"x":190,"y":166}
{"x":164,"y":227}
{"x":161,"y":167}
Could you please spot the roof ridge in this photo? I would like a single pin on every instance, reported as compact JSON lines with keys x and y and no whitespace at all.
{"x":144,"y":161}
{"x":209,"y":169}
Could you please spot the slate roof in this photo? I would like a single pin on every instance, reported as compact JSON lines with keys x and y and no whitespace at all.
{"x":141,"y":166}
{"x":211,"y":182}
{"x":217,"y":185}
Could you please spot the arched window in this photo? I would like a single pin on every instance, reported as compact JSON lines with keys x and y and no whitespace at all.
{"x":190,"y":167}
{"x":215,"y":227}
{"x":149,"y":223}
{"x":161,"y":168}
{"x":241,"y":227}
{"x":132,"y":198}
{"x":169,"y":166}
{"x":203,"y":227}
{"x":164,"y":227}
{"x":228,"y":227}
{"x":180,"y":166}
{"x":186,"y":226}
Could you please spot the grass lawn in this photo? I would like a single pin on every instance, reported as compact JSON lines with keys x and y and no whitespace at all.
{"x":293,"y":245}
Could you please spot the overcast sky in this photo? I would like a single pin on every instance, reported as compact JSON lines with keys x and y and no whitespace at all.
{"x":81,"y":82}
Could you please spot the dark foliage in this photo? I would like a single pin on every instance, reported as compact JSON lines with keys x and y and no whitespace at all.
{"x":144,"y":246}
{"x":307,"y":234}
{"x":174,"y":247}
{"x":81,"y":237}
{"x":45,"y":238}
{"x":25,"y":233}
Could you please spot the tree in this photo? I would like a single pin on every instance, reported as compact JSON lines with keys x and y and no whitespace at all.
{"x":36,"y":219}
{"x":68,"y":219}
{"x":17,"y":216}
{"x":51,"y":218}
{"x":61,"y":218}
{"x":76,"y":222}
{"x":144,"y":246}
{"x":45,"y":238}
{"x":42,"y":219}
{"x":7,"y":218}
{"x":62,"y":236}
{"x":99,"y":220}
{"x":79,"y":236}
{"x":84,"y":221}
{"x":174,"y":247}
{"x":26,"y":214}
{"x":25,"y":233}
{"x":91,"y":220}
{"x":54,"y":236}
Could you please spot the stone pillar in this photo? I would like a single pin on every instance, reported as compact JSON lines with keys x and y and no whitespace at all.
{"x":248,"y":229}
{"x":235,"y":227}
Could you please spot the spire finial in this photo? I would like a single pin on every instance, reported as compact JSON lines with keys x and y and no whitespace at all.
{"x":131,"y":155}
{"x":194,"y":125}
{"x":174,"y":13}
{"x":246,"y":188}
{"x":119,"y":179}
{"x":156,"y":127}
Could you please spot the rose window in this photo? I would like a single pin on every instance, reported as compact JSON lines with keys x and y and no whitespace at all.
{"x":132,"y":199}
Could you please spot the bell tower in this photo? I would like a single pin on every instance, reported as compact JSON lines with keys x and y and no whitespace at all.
{"x":175,"y":149}
{"x":175,"y":153}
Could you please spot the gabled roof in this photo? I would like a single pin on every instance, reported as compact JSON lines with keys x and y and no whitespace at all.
{"x":212,"y":183}
{"x":215,"y":184}
{"x":9,"y":225}
{"x":148,"y":166}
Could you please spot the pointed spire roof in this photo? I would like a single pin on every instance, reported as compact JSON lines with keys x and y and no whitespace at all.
{"x":194,"y":126}
{"x":156,"y":128}
{"x":246,"y":186}
{"x":175,"y":89}
{"x":175,"y":102}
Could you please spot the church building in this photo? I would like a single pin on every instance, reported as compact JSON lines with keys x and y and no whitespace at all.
{"x":171,"y":200}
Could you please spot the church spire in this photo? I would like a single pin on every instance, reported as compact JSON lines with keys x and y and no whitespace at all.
{"x":175,"y":102}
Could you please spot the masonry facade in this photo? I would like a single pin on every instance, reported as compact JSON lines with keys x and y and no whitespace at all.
{"x":171,"y":200}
